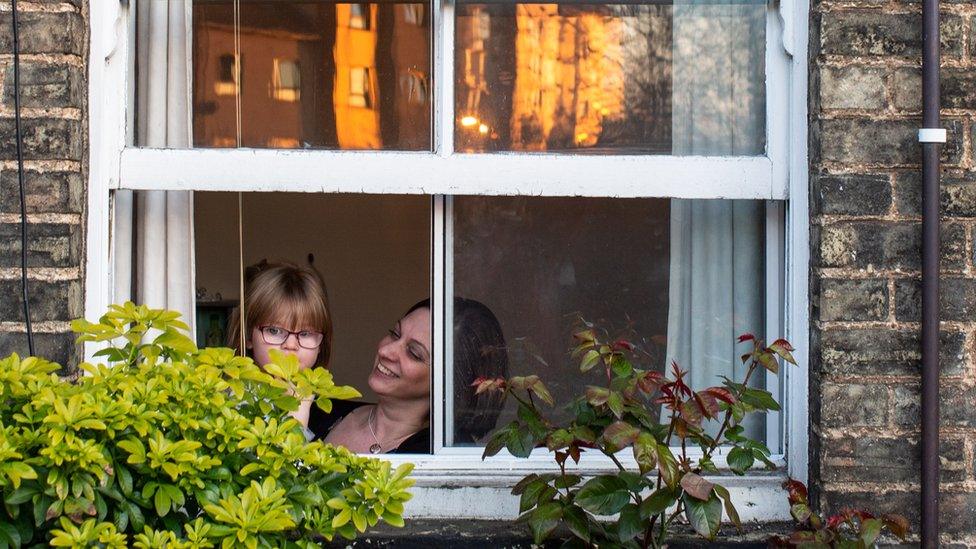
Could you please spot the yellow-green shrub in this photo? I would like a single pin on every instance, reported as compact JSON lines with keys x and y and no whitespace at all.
{"x":167,"y":445}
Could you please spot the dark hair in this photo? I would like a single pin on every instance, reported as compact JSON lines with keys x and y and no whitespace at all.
{"x":479,"y":351}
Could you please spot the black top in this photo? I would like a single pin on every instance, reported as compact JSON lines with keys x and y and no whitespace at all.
{"x":320,"y":423}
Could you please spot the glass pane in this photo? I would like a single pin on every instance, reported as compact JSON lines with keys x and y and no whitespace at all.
{"x":309,"y":74}
{"x":372,"y":253}
{"x":682,"y":79}
{"x":682,"y":278}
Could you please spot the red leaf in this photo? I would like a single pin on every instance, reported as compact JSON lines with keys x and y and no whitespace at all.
{"x":782,"y":343}
{"x":649,"y":382}
{"x":783,"y":348}
{"x":835,"y":521}
{"x":707,"y":403}
{"x":691,"y":413}
{"x":620,"y":434}
{"x":897,"y":524}
{"x":484,"y":384}
{"x":796,"y":490}
{"x":746,"y":337}
{"x":623,"y":344}
{"x":721,"y":393}
{"x":696,"y":486}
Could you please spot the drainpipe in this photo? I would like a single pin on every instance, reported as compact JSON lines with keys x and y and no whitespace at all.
{"x":931,"y":136}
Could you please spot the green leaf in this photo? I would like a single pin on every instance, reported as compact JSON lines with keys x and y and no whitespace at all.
{"x":532,"y":495}
{"x":801,"y":512}
{"x":532,"y":420}
{"x":162,"y":502}
{"x":645,"y":452}
{"x":566,"y":481}
{"x":496,"y":442}
{"x":20,"y":495}
{"x":616,"y":403}
{"x":740,"y":460}
{"x":870,"y":530}
{"x":136,"y":517}
{"x":176,"y":341}
{"x":520,"y":441}
{"x":704,"y":516}
{"x":759,"y":399}
{"x":667,"y":465}
{"x":768,"y":361}
{"x":521,"y":485}
{"x":589,"y":360}
{"x":11,"y":532}
{"x":621,"y":366}
{"x":657,"y":503}
{"x":629,"y":523}
{"x":125,"y":479}
{"x":730,"y":509}
{"x":577,"y":522}
{"x":603,"y":495}
{"x":544,"y":519}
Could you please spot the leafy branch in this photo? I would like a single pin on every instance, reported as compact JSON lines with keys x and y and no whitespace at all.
{"x":620,"y":412}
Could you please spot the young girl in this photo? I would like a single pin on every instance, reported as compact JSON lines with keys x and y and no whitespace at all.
{"x":286,"y":307}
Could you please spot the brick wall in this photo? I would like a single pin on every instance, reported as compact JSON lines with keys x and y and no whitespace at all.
{"x":865,"y":189}
{"x":865,"y":100}
{"x":53,"y":63}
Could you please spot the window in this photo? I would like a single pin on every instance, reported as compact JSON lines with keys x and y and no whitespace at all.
{"x":359,"y":88}
{"x":287,"y":81}
{"x":359,"y":16}
{"x":543,"y":159}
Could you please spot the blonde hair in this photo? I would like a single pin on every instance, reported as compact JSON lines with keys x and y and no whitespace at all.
{"x":287,"y":293}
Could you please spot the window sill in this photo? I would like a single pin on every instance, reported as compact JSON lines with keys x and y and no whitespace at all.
{"x":485,"y":494}
{"x":477,"y":534}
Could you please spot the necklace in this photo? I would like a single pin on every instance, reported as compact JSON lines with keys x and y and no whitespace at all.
{"x":377,"y":447}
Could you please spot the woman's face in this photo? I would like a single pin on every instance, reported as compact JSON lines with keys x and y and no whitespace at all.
{"x":402,"y":366}
{"x":260,"y":347}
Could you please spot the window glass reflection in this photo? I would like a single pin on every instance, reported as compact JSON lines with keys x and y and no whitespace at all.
{"x":650,"y":79}
{"x":680,"y":278}
{"x":311,"y":74}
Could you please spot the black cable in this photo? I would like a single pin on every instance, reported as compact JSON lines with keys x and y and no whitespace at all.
{"x":20,"y":179}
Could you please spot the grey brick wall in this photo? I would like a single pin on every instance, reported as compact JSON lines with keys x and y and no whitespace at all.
{"x":865,"y":104}
{"x":54,"y":116}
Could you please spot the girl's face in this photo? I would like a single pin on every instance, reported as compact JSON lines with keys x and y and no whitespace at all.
{"x":274,"y":330}
{"x":402,"y":366}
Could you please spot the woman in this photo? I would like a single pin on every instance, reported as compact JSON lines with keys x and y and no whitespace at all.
{"x":399,"y":421}
{"x":286,"y":308}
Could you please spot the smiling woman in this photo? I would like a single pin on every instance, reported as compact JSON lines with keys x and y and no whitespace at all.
{"x":400,"y":377}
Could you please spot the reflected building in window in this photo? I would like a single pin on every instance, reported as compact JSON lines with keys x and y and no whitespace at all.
{"x":548,"y":77}
{"x":311,"y":75}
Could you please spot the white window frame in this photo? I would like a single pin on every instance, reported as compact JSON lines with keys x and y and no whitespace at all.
{"x":450,"y":479}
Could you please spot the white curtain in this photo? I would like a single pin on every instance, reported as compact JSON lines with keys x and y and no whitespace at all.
{"x":157,"y":226}
{"x":716,"y":276}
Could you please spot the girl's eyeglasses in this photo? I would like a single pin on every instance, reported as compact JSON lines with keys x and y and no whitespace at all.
{"x":275,"y":335}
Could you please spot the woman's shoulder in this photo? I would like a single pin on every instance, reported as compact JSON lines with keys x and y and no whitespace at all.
{"x":320,"y":421}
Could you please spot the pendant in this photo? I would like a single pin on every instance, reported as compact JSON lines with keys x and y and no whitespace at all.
{"x":375,"y":449}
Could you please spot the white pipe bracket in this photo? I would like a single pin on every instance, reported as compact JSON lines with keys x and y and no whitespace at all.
{"x":932,"y":135}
